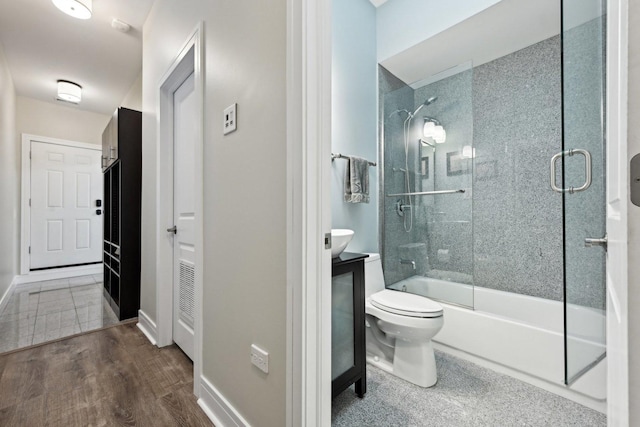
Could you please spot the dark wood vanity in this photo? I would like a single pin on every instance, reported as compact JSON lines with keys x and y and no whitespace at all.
{"x":348,"y":347}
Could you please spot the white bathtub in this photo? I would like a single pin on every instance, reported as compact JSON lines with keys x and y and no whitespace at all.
{"x":519,"y":335}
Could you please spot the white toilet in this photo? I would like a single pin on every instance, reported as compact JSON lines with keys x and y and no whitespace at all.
{"x":400,"y":326}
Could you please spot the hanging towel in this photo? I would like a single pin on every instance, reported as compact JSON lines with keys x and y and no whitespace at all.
{"x":356,"y":180}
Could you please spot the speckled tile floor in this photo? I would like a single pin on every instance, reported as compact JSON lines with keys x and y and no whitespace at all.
{"x":44,"y":311}
{"x":466,"y":395}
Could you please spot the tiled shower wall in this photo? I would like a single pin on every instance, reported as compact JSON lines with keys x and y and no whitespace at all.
{"x":506,"y":231}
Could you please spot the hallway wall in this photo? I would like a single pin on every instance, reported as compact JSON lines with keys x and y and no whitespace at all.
{"x":9,"y":179}
{"x":58,"y":121}
{"x":244,"y":190}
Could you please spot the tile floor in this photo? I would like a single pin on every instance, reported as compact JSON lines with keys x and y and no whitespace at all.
{"x":465,"y":395}
{"x":44,"y":311}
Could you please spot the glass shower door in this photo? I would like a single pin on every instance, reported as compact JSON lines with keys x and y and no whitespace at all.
{"x":583,"y":184}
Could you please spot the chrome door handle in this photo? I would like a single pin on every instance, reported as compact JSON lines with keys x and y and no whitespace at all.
{"x":587,"y":171}
{"x":173,"y":230}
{"x":591,"y":242}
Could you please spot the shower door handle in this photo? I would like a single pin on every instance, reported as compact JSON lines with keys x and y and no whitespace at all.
{"x":587,"y":171}
{"x":591,"y":242}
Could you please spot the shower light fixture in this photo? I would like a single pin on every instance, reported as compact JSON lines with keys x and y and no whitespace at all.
{"x":433,"y":129}
{"x":80,"y":9}
{"x":69,"y":91}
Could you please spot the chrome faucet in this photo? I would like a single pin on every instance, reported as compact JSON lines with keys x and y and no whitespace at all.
{"x":408,"y":262}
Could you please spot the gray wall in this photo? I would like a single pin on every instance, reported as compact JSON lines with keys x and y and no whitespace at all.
{"x":353,"y":116}
{"x":506,"y":232}
{"x":9,"y":179}
{"x":244,"y":236}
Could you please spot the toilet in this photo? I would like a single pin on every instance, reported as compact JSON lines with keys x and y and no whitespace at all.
{"x":399,"y":328}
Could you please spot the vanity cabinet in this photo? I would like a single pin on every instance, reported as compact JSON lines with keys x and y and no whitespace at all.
{"x":348,"y":351}
{"x":122,"y":213}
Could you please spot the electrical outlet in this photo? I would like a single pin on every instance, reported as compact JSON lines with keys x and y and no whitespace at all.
{"x":230,"y":119}
{"x":260,"y":358}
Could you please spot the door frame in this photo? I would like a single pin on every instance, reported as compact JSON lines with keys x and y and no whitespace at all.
{"x":25,"y":209}
{"x":188,"y":60}
{"x":308,"y":135}
{"x":308,"y":213}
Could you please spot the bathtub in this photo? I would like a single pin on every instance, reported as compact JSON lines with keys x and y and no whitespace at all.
{"x":519,"y":335}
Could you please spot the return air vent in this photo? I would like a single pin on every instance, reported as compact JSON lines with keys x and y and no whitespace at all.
{"x":187,"y":280}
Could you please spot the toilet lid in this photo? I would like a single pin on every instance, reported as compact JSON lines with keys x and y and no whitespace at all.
{"x":406,"y":304}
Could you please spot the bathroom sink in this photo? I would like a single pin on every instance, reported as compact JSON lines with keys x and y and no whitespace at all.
{"x":340,"y":238}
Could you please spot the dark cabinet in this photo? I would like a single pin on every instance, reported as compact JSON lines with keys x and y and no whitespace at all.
{"x":122,"y":208}
{"x":348,"y":357}
{"x":110,"y":138}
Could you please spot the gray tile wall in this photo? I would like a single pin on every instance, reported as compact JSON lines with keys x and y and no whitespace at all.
{"x":506,"y":231}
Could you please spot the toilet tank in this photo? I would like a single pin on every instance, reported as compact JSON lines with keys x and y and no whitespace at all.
{"x":373,"y":277}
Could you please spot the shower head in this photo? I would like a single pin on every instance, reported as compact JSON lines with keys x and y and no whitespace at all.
{"x":429,"y":101}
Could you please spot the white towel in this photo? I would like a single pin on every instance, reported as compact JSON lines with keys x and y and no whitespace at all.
{"x":356,"y":180}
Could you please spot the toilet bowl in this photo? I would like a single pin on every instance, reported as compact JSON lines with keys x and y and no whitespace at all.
{"x":400,"y":326}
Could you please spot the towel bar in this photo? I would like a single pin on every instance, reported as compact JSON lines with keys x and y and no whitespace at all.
{"x":342,"y":156}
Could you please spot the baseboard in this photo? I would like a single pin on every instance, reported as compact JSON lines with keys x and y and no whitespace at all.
{"x":58,"y":273}
{"x":147,"y":326}
{"x":217,"y":408}
{"x":7,"y":294}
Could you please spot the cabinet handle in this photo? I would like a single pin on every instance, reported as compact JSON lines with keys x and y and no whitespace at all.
{"x":104,"y":161}
{"x":112,"y":153}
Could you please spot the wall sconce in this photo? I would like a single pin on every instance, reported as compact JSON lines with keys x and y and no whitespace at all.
{"x":69,"y":91}
{"x":468,"y":152}
{"x":433,"y":129}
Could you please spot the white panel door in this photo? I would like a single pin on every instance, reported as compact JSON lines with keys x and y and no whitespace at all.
{"x":66,"y":182}
{"x":185,"y":129}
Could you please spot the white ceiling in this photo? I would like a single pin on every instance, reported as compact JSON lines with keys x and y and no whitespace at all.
{"x":506,"y":27}
{"x":43,"y":45}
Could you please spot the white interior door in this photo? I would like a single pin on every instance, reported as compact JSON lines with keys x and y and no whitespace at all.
{"x":185,"y":134}
{"x":66,"y":182}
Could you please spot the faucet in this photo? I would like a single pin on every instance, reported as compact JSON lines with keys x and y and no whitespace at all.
{"x":408,"y":262}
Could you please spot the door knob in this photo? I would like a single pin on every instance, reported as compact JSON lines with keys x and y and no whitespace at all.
{"x":173,"y":230}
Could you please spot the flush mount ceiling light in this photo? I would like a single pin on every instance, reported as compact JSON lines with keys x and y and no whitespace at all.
{"x":80,"y":9}
{"x":69,"y":91}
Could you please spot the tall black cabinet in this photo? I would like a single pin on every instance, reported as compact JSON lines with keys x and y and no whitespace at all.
{"x":122,"y":167}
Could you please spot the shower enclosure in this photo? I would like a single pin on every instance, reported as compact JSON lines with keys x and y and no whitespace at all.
{"x":508,"y":208}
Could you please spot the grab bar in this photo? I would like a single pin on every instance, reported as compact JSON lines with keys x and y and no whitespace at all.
{"x":587,"y":171}
{"x":427,"y":193}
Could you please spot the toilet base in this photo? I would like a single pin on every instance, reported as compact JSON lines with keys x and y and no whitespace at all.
{"x":413,"y":363}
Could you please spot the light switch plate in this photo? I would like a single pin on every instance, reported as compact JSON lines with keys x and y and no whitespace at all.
{"x":230,"y":119}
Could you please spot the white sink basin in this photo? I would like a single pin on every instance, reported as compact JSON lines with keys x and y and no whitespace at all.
{"x":340,"y":238}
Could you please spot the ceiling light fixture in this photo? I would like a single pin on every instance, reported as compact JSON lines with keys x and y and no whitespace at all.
{"x":80,"y":9}
{"x":69,"y":91}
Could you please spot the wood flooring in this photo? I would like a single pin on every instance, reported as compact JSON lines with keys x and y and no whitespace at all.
{"x":109,"y":377}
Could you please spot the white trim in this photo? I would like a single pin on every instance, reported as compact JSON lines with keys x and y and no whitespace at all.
{"x":308,"y":212}
{"x":617,"y":215}
{"x":58,"y":273}
{"x":25,"y":217}
{"x":7,"y":295}
{"x":175,"y":75}
{"x":217,"y":408}
{"x":147,"y":326}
